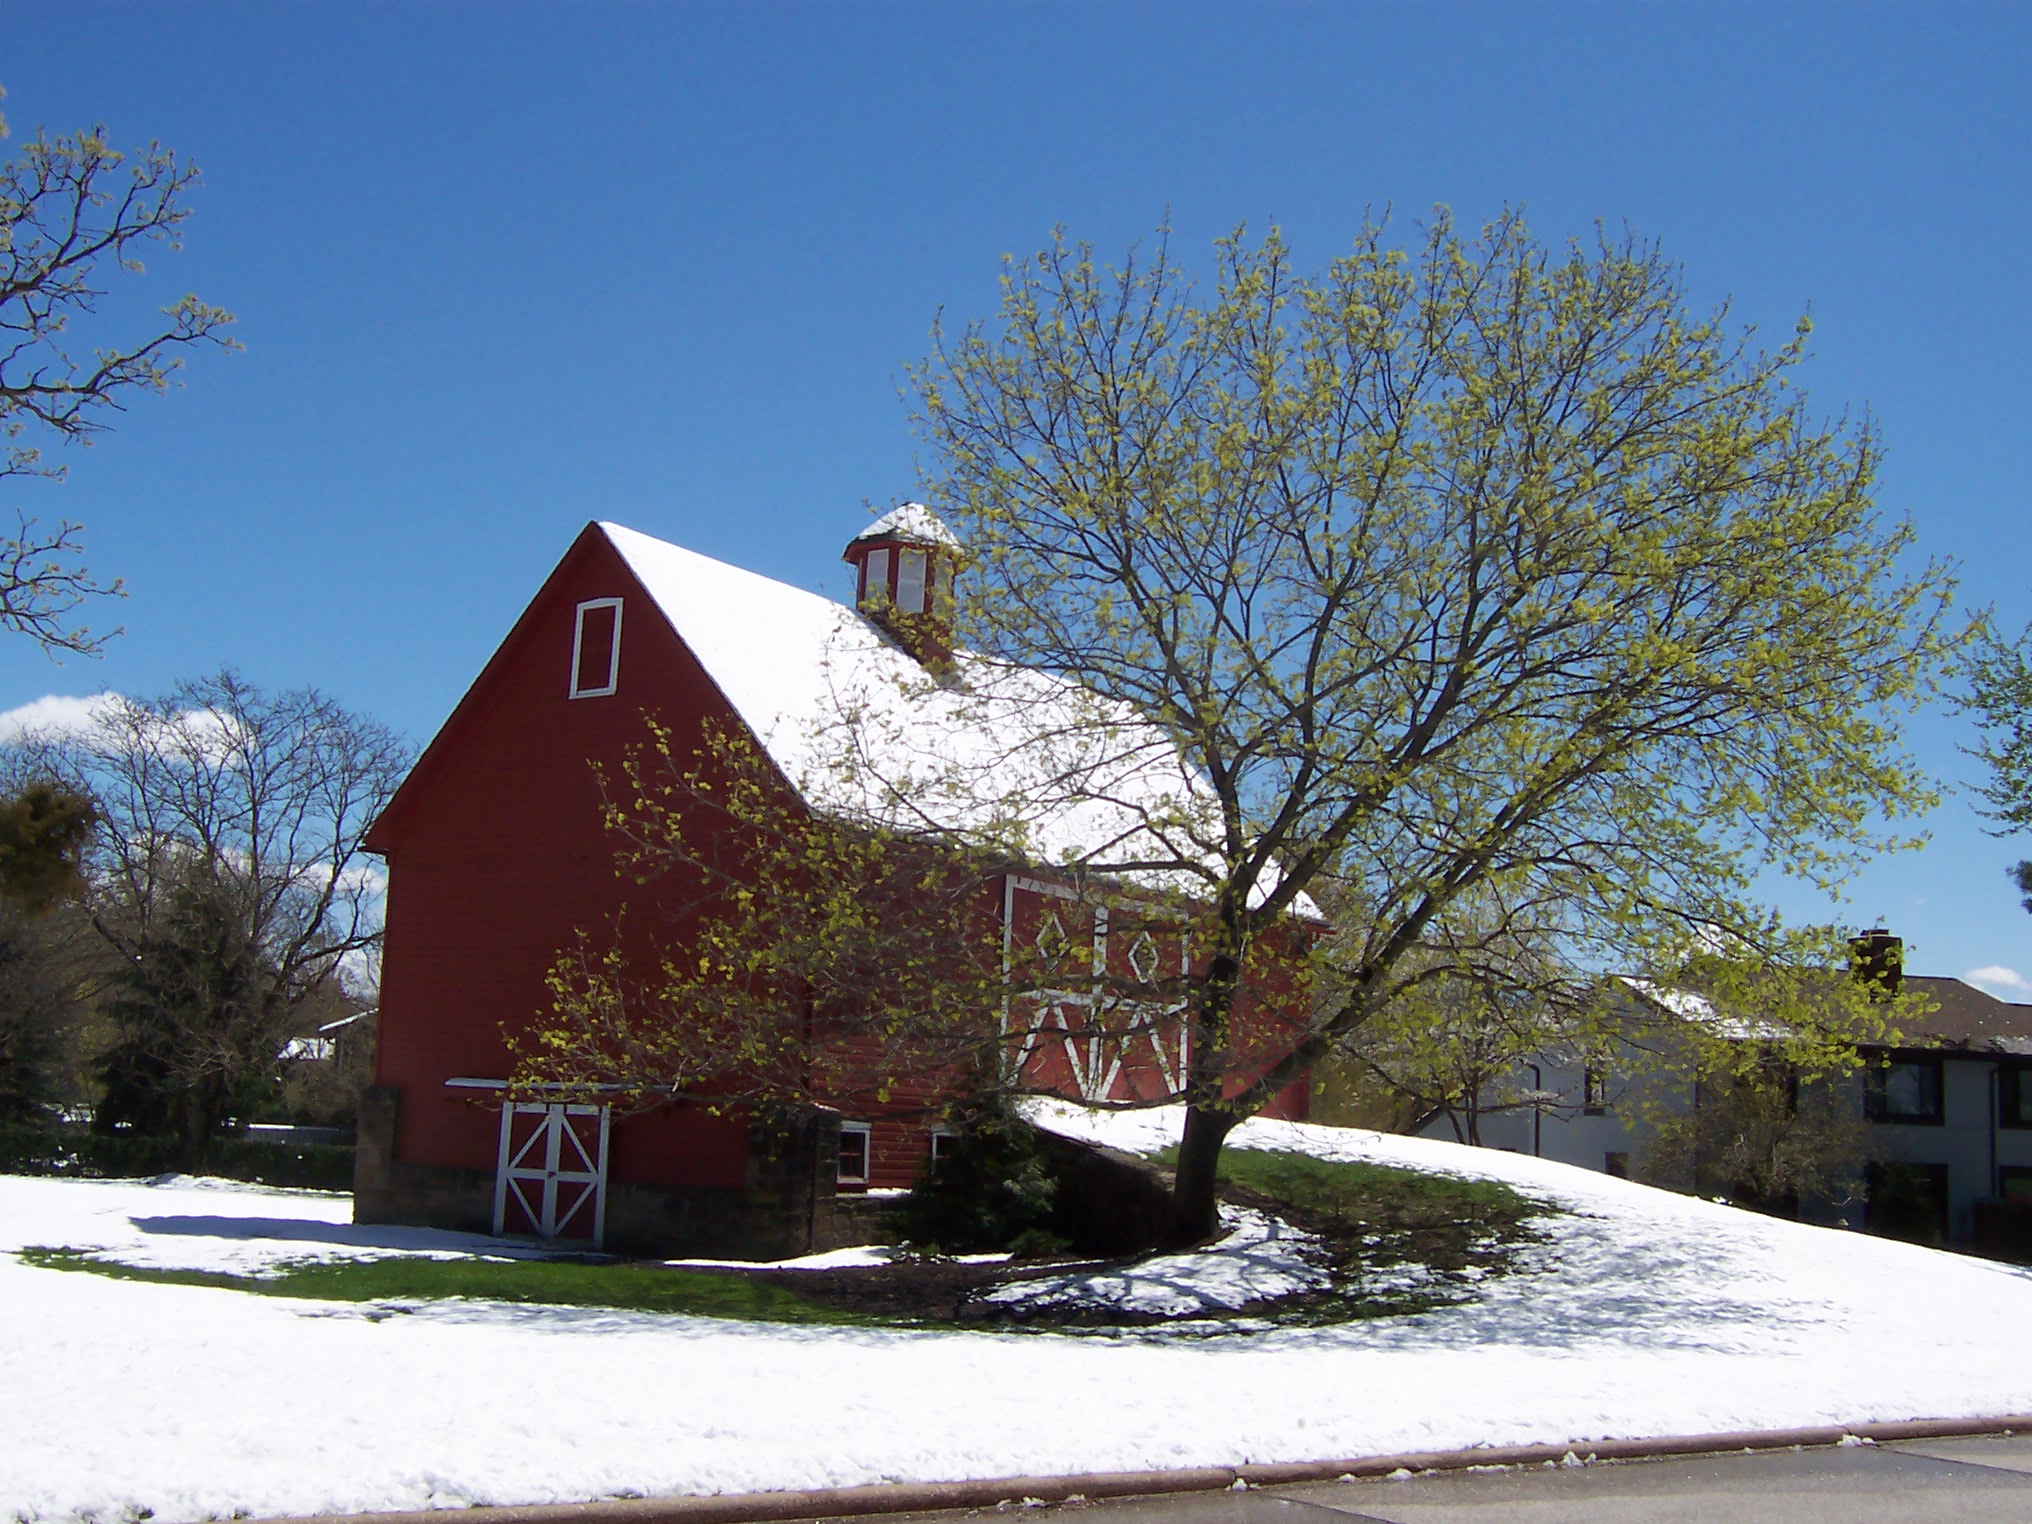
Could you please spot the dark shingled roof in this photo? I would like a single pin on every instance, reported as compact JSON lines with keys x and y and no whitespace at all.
{"x":1966,"y":1018}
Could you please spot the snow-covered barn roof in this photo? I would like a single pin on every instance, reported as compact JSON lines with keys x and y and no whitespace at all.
{"x":1025,"y":758}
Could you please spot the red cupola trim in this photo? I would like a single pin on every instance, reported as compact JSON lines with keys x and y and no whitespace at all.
{"x":904,"y":564}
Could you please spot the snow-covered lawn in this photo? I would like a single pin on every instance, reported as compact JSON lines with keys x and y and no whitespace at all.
{"x":1642,"y":1313}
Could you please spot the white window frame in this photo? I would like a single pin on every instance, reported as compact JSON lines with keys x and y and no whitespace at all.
{"x":613,"y":653}
{"x":875,"y":574}
{"x":866,"y":1132}
{"x":942,"y":1141}
{"x":913,"y":581}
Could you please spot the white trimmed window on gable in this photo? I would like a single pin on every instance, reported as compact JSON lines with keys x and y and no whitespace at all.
{"x":596,"y":648}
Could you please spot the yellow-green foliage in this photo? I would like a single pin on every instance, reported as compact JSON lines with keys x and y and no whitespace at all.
{"x":789,"y":954}
{"x":1999,"y":675}
{"x":1479,"y":579}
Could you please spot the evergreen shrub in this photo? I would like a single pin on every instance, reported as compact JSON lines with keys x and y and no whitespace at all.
{"x":992,"y":1188}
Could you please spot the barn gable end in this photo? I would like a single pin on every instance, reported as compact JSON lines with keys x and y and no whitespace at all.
{"x":497,"y":858}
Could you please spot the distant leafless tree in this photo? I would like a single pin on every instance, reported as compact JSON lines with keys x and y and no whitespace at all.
{"x":227,"y":878}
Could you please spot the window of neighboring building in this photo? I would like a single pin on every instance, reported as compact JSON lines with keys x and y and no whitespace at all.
{"x":596,"y":648}
{"x":2014,"y":1182}
{"x":854,"y":1152}
{"x":1904,"y":1088}
{"x":1593,"y":1099}
{"x":2014,"y":1095}
{"x":943,"y":1141}
{"x":1906,"y":1201}
{"x":910,"y":581}
{"x":877,"y":585}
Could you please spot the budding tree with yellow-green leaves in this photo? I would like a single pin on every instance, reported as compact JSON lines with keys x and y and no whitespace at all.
{"x":1479,"y":572}
{"x":1999,"y":694}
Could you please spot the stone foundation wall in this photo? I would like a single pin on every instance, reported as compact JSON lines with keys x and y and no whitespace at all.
{"x":860,"y":1220}
{"x":787,"y":1208}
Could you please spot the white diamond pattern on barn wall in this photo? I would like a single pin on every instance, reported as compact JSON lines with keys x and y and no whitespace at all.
{"x":1097,"y":1030}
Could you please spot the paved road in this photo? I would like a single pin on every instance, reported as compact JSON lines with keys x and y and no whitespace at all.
{"x":1954,"y":1481}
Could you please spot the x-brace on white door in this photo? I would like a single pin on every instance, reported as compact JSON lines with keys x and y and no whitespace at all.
{"x":551,"y":1178}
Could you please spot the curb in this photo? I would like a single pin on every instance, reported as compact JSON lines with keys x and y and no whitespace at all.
{"x":928,"y":1497}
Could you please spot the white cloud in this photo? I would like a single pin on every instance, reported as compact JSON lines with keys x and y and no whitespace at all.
{"x":54,"y":712}
{"x":1999,"y":981}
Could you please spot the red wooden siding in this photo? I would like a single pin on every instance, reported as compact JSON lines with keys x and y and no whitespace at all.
{"x":497,"y":858}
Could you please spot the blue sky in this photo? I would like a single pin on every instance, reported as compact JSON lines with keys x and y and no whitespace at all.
{"x":503,"y":269}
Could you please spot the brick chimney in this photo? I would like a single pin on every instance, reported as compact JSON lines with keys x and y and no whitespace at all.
{"x":904,"y":564}
{"x":1876,"y":957}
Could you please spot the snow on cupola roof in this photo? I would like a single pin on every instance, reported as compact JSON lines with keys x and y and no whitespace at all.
{"x":913,"y":524}
{"x":1027,"y":758}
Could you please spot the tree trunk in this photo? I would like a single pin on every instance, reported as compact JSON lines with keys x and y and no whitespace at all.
{"x":196,"y":1130}
{"x":1195,"y":1199}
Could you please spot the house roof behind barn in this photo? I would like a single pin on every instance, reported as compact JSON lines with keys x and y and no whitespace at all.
{"x":1964,"y":1018}
{"x":863,"y":731}
{"x":1967,"y":1018}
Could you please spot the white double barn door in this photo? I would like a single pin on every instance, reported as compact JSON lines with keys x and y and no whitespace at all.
{"x":550,"y":1181}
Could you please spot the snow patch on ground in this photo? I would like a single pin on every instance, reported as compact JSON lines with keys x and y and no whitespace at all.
{"x":1642,"y":1313}
{"x":185,"y":1222}
{"x":859,"y":1257}
{"x":1258,"y":1257}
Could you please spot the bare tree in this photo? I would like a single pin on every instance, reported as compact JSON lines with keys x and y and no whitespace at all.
{"x":226,"y":878}
{"x":70,"y":207}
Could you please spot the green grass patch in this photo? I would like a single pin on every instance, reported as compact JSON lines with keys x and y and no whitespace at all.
{"x":1396,"y":1241}
{"x":627,"y":1285}
{"x":1379,"y":1197}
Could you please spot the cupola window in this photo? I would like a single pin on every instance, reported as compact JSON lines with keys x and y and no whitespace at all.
{"x":910,"y":581}
{"x":596,"y":648}
{"x":906,"y":564}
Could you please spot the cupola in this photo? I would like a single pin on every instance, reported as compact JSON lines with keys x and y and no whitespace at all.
{"x":904,"y":564}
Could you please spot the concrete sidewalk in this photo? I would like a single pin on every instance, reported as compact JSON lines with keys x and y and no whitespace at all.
{"x":1955,"y":1481}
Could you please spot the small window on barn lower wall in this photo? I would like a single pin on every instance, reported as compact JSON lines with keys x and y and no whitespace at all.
{"x":596,"y":648}
{"x":854,"y":1152}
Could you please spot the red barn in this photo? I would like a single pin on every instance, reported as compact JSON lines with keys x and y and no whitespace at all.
{"x":497,"y":856}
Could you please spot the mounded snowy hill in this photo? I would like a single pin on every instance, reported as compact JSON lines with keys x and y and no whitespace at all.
{"x":1642,"y":1313}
